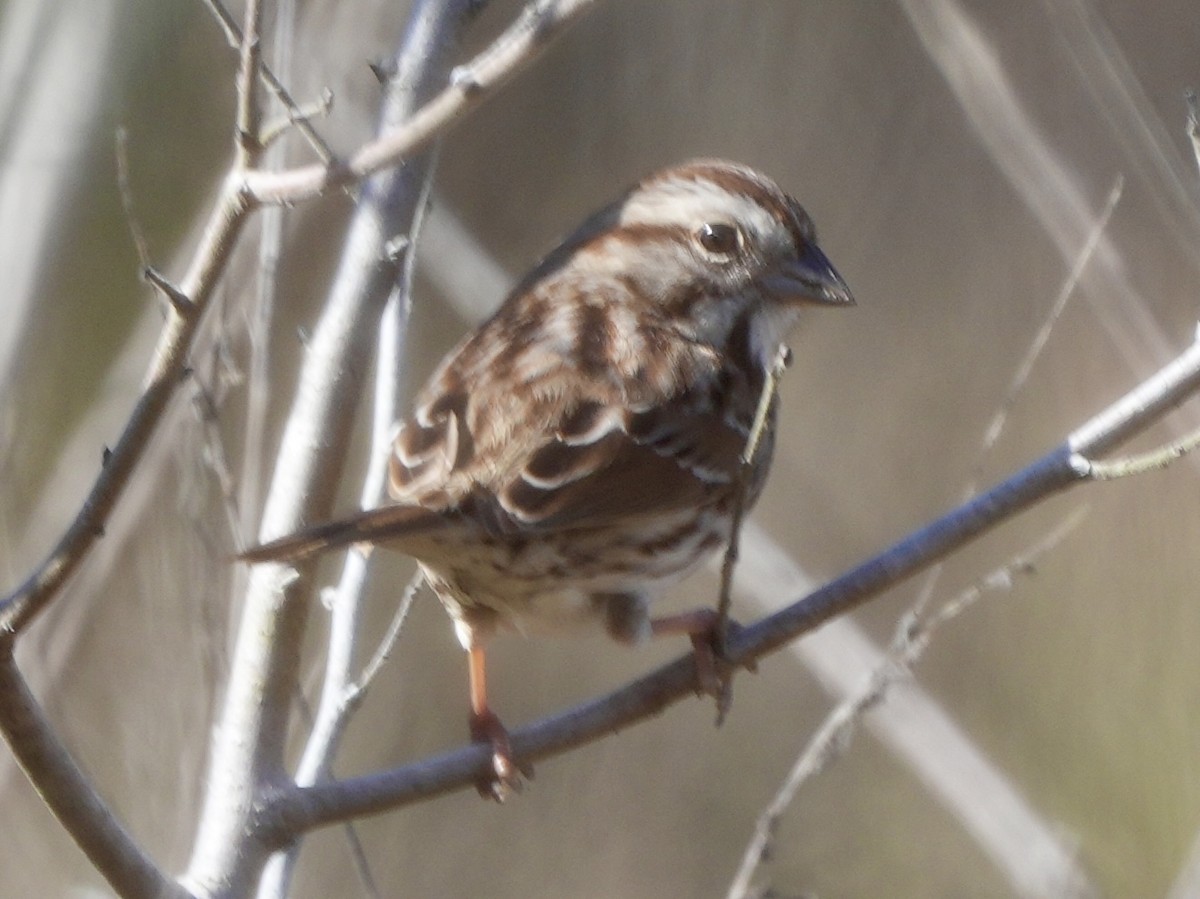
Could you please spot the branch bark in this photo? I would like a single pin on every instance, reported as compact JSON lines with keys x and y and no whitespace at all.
{"x":247,"y":761}
{"x":298,"y":810}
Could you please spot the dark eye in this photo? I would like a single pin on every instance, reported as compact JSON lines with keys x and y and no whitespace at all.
{"x":719,"y":237}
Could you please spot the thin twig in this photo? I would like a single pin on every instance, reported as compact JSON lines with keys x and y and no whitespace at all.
{"x":295,"y":811}
{"x":763,"y":413}
{"x":1025,"y":368}
{"x":317,"y":109}
{"x":1151,"y":460}
{"x":1021,"y":376}
{"x":125,"y":189}
{"x":340,"y":692}
{"x":1193,"y":123}
{"x":384,"y":650}
{"x":249,"y":145}
{"x":247,"y":761}
{"x":295,"y":113}
{"x":912,"y":638}
{"x":539,"y":23}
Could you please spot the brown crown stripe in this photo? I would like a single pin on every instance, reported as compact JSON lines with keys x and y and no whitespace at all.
{"x":737,"y":180}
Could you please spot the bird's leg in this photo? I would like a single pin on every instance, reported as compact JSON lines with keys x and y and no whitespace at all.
{"x":486,"y":727}
{"x":627,"y":619}
{"x":705,"y":628}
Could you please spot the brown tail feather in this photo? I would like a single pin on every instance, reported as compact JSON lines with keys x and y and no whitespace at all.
{"x":373,"y":526}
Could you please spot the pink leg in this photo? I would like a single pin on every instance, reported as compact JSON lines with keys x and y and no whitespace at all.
{"x":487,"y":728}
{"x":713,"y":673}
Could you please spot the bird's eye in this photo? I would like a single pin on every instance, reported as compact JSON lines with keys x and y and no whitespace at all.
{"x":719,"y":238}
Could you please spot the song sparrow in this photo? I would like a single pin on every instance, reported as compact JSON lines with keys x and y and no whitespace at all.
{"x":580,"y":450}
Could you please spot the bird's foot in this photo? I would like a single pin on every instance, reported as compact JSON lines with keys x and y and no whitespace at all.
{"x":506,"y":777}
{"x":708,"y":633}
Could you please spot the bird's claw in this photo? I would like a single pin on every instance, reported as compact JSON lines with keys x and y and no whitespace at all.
{"x":507,"y":776}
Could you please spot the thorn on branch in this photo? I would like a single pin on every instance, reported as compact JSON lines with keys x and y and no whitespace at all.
{"x":383,"y":70}
{"x":180,"y":302}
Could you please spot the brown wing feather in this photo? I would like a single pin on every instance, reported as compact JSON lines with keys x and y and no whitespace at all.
{"x":552,"y":458}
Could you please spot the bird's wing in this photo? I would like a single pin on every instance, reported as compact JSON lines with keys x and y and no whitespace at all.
{"x":564,"y":451}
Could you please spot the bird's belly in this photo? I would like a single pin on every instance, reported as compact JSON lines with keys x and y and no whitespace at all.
{"x":551,"y":584}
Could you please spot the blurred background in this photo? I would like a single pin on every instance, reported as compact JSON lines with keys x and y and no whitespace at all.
{"x":955,"y":155}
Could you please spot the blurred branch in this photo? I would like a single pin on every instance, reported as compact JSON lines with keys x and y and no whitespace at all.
{"x":248,"y":759}
{"x":249,"y":143}
{"x":1021,"y":376}
{"x":296,"y":115}
{"x":242,"y":193}
{"x":470,"y":84}
{"x":340,"y":693}
{"x":69,"y":793}
{"x":912,"y":637}
{"x":295,"y":811}
{"x":1193,"y":123}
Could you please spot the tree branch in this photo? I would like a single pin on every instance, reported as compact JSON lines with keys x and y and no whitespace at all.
{"x":912,"y":637}
{"x":247,"y":761}
{"x":470,"y":84}
{"x":70,"y":795}
{"x":298,"y":810}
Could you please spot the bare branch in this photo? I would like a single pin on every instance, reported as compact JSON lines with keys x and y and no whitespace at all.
{"x":69,"y":792}
{"x":296,"y":114}
{"x":296,"y":811}
{"x":247,"y":761}
{"x":470,"y":84}
{"x":340,"y":693}
{"x":912,"y":638}
{"x":1152,"y":460}
{"x":996,"y":426}
{"x":249,"y":146}
{"x":300,"y":116}
{"x":19,"y":608}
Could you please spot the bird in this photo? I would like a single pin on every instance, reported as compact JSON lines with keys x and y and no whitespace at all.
{"x":581,"y":450}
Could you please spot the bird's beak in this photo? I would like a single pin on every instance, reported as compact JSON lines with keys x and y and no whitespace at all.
{"x":809,"y":279}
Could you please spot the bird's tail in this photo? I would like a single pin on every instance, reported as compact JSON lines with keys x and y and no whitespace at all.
{"x":382,"y":525}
